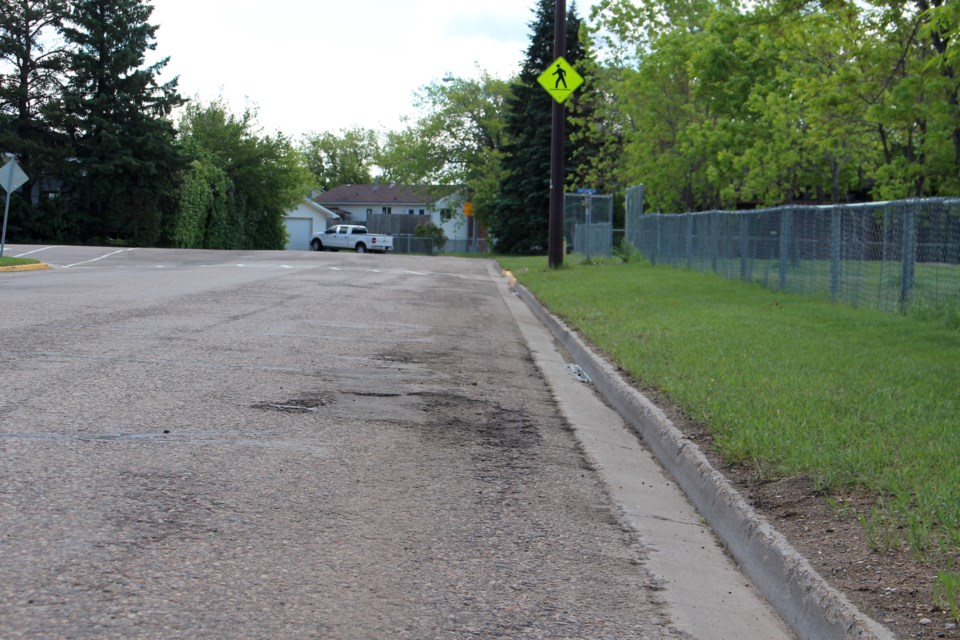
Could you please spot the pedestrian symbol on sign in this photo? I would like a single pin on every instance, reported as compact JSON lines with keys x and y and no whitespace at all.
{"x":561,"y":77}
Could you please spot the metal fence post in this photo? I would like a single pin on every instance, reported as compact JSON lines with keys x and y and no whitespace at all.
{"x":714,"y":239}
{"x":689,"y":239}
{"x":657,"y":236}
{"x":744,"y":247}
{"x":786,"y":222}
{"x":908,"y":266}
{"x":835,"y":245}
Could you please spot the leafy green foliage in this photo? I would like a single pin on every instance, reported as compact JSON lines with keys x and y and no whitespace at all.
{"x":201,"y":220}
{"x":457,"y":140}
{"x":344,"y":158}
{"x":726,"y":104}
{"x":433,"y":232}
{"x":252,"y":181}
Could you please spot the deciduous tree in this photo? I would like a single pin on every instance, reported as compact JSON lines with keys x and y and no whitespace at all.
{"x":254,"y":179}
{"x":456,"y":140}
{"x":346,"y":157}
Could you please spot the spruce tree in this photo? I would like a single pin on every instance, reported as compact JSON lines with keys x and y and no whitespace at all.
{"x":127,"y":162}
{"x":31,"y":71}
{"x":520,"y":218}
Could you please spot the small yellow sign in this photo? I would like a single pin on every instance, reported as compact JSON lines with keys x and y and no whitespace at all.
{"x":468,"y":209}
{"x":560,"y":79}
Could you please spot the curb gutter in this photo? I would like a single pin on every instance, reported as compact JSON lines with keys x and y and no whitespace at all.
{"x":810,"y":606}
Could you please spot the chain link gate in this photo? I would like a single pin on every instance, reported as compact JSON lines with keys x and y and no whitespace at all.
{"x":588,"y":224}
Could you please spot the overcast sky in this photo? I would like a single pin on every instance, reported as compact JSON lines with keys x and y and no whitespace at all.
{"x":324,"y":65}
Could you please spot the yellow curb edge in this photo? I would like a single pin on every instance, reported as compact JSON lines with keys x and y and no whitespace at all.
{"x":26,"y":267}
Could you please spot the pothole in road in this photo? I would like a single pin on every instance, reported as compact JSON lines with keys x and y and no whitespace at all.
{"x":460,"y":420}
{"x":304,"y":404}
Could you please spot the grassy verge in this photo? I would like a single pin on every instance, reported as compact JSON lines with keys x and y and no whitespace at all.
{"x":13,"y":262}
{"x":789,"y":385}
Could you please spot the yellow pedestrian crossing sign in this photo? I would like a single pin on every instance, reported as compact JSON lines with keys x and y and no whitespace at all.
{"x":560,"y":79}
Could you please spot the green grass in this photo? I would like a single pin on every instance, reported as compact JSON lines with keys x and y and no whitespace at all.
{"x":863,"y":283}
{"x":787,"y":384}
{"x":13,"y":262}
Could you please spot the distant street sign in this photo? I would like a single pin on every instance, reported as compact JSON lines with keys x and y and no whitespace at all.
{"x":560,"y":80}
{"x":12,"y":176}
{"x":589,"y":192}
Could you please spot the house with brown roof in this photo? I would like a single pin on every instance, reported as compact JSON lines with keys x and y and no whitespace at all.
{"x":398,"y":210}
{"x":357,"y":202}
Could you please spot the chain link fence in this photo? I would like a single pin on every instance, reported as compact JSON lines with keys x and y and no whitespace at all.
{"x":894,"y":256}
{"x":588,"y":224}
{"x":410,"y":245}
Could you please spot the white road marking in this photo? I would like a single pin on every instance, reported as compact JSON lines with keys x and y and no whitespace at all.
{"x":34,"y":251}
{"x":107,"y":255}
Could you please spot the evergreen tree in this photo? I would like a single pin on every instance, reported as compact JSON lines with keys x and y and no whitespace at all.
{"x":34,"y":62}
{"x":127,"y":163}
{"x":520,"y":217}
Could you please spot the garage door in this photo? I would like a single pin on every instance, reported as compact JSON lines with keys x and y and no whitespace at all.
{"x":300,"y":231}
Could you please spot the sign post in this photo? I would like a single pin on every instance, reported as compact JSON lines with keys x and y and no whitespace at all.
{"x":472,"y":232}
{"x":557,"y":139}
{"x":560,"y":80}
{"x":12,"y":178}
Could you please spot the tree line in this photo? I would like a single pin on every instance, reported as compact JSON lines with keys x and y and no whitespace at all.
{"x":708,"y":103}
{"x":738,"y":104}
{"x":88,"y":119}
{"x":94,"y":128}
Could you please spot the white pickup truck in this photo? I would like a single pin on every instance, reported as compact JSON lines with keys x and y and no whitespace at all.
{"x":351,"y":236}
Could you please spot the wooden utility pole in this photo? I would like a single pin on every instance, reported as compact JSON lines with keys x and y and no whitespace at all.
{"x":557,"y":139}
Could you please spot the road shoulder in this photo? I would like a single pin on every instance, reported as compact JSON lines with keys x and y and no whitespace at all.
{"x":809,"y":605}
{"x":707,"y":596}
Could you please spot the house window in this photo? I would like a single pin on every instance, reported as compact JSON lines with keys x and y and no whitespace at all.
{"x":387,"y":210}
{"x":410,"y":212}
{"x":369,"y":212}
{"x":422,"y":211}
{"x":446,"y":215}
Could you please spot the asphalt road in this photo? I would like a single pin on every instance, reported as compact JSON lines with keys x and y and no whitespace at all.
{"x":293,"y":445}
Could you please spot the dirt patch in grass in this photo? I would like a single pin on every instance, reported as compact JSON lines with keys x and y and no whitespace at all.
{"x":890,"y":586}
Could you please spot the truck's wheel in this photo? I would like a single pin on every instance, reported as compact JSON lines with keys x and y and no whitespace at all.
{"x":316,"y":245}
{"x":361,"y":248}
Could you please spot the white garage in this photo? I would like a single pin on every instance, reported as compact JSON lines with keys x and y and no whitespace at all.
{"x":304,"y":221}
{"x":299,"y":233}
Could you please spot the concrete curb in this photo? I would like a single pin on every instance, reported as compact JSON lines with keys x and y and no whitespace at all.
{"x":26,"y":267}
{"x":811,"y":607}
